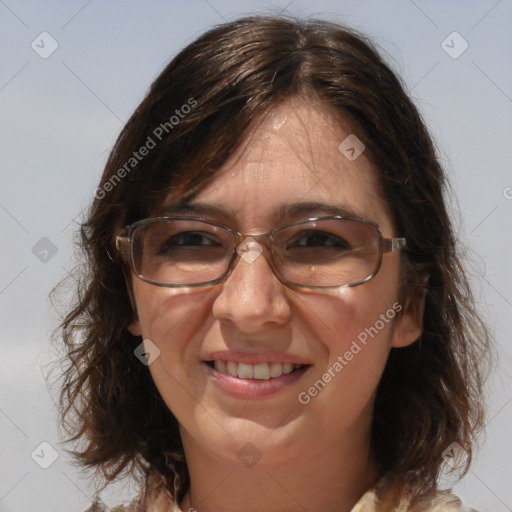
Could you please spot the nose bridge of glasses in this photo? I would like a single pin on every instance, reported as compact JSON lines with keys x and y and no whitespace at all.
{"x":248,"y":239}
{"x":250,"y":247}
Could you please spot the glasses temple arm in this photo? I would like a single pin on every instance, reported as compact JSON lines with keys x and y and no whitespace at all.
{"x":120,"y":241}
{"x":392,"y":244}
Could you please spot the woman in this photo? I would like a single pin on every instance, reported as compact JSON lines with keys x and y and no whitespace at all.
{"x":273,"y":315}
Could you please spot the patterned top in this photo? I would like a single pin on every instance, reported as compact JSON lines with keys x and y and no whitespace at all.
{"x":158,"y":499}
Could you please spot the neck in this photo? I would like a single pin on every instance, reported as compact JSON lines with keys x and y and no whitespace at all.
{"x":331,"y":481}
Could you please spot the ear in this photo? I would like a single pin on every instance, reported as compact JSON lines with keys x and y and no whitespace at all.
{"x":135,"y":327}
{"x":409,"y":325}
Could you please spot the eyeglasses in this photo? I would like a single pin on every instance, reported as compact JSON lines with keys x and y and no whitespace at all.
{"x":321,"y":252}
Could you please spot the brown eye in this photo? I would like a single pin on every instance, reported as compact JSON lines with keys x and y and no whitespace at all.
{"x":190,"y":238}
{"x":318,"y":239}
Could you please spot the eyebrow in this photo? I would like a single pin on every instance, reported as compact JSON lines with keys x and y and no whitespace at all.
{"x":313,"y":207}
{"x":283,"y":211}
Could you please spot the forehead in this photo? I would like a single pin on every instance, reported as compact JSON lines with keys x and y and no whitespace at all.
{"x":293,"y":155}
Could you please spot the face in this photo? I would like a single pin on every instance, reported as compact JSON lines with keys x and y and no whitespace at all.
{"x":337,"y":339}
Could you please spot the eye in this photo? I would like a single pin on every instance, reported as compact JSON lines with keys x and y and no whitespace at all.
{"x":189,"y":239}
{"x":318,"y":239}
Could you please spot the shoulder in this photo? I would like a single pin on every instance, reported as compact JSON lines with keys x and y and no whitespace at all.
{"x":440,"y":501}
{"x":137,"y":506}
{"x":154,"y":497}
{"x":444,"y":501}
{"x":99,"y":506}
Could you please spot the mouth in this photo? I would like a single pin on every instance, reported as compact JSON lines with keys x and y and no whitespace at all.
{"x":255,"y":375}
{"x":260,"y":371}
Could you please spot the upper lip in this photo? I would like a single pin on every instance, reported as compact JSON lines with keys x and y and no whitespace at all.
{"x":255,"y":358}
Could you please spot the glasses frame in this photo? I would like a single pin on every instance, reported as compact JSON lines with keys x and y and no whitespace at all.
{"x":265,"y":239}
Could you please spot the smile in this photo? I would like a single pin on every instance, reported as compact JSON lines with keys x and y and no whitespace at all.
{"x":253,"y":381}
{"x":260,"y":371}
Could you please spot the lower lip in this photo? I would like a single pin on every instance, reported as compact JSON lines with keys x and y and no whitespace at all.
{"x":253,"y":388}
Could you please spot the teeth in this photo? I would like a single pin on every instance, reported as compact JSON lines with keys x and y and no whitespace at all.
{"x":276,"y":370}
{"x":287,"y":368}
{"x":221,"y":366}
{"x":232,"y":368}
{"x":261,"y":371}
{"x":245,"y":371}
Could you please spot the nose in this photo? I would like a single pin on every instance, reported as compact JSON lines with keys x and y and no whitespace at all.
{"x":252,"y":297}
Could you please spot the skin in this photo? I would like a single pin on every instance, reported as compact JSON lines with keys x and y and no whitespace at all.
{"x":314,"y":456}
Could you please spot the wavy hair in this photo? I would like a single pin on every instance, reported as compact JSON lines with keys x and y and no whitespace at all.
{"x":431,"y":392}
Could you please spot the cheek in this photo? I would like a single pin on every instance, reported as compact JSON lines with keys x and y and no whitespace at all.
{"x":173,"y":319}
{"x":356,"y":324}
{"x":353,"y":330}
{"x":170,"y":318}
{"x":339,"y":317}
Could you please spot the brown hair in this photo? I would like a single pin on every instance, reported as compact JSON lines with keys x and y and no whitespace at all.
{"x":430,"y":394}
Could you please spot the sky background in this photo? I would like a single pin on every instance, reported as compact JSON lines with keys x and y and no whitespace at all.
{"x":60,"y":113}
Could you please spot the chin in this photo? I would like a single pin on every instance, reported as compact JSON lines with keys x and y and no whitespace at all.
{"x":247,"y":443}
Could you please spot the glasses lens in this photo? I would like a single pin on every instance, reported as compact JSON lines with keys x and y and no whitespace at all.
{"x":181,"y":252}
{"x":327,"y":252}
